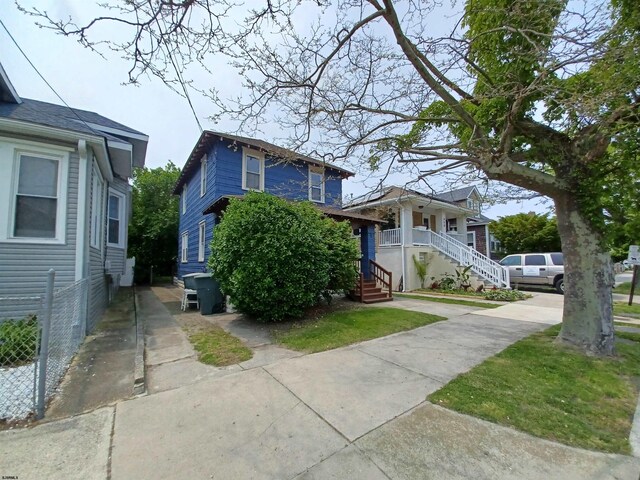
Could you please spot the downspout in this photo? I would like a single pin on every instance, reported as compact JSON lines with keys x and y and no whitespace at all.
{"x":402,"y":248}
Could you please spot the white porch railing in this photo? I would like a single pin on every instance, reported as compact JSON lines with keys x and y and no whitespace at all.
{"x":453,"y":248}
{"x":390,"y":237}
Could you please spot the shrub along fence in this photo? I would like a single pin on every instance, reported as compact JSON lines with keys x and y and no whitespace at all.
{"x":39,"y":335}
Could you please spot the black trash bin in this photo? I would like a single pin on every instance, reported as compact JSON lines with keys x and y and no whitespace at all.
{"x":209,"y":294}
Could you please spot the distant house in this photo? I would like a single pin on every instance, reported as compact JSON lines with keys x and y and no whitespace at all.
{"x":446,"y":230}
{"x":66,"y":196}
{"x":223,"y":166}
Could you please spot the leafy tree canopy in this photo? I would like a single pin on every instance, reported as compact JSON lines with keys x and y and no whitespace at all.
{"x":153,"y":232}
{"x":526,"y":233}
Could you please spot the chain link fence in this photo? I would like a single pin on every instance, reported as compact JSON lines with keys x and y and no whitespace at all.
{"x":39,"y":335}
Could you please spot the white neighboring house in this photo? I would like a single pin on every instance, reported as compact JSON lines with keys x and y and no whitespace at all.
{"x":432,"y":228}
{"x":66,"y":196}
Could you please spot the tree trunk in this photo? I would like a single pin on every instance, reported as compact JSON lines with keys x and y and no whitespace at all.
{"x":588,"y":278}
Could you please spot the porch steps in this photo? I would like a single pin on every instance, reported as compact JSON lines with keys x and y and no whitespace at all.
{"x":479,"y":278}
{"x":371,"y":293}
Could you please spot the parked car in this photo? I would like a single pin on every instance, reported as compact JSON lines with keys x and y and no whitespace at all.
{"x":536,"y":269}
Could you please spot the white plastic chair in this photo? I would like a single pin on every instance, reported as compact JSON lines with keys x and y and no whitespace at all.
{"x":189,"y":297}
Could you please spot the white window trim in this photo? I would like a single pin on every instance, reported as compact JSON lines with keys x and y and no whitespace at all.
{"x":202,"y":235}
{"x":203,"y":176}
{"x":7,"y":217}
{"x":319,"y":171}
{"x":97,"y":218}
{"x":260,"y":157}
{"x":121,"y":218}
{"x":184,"y":198}
{"x":475,"y":245}
{"x":184,"y":247}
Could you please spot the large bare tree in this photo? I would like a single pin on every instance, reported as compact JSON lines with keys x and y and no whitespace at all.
{"x":526,"y":92}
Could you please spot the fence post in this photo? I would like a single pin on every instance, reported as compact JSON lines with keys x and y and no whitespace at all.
{"x":44,"y":344}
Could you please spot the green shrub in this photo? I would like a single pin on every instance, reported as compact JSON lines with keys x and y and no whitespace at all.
{"x":504,"y":295}
{"x":18,"y":341}
{"x":276,"y":258}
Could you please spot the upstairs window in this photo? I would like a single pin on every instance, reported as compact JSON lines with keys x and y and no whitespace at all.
{"x":316,"y":184}
{"x":201,"y":240}
{"x":473,"y":204}
{"x":203,"y":176}
{"x":36,"y":206}
{"x":184,"y":199}
{"x":252,"y":170}
{"x":115,"y":219}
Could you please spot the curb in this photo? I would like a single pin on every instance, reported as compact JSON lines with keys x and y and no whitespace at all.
{"x":139,"y":370}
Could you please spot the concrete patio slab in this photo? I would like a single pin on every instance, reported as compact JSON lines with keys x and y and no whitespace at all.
{"x":69,"y":449}
{"x":244,"y":425}
{"x":348,"y":463}
{"x":268,"y":354}
{"x":167,"y":376}
{"x":353,"y":391}
{"x":525,"y":313}
{"x":434,"y":443}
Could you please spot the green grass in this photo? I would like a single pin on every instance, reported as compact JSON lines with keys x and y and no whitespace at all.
{"x":458,"y":292}
{"x":554,"y":392}
{"x":341,"y":328}
{"x":217,"y":347}
{"x":624,"y":288}
{"x":626,"y":310}
{"x":451,"y":301}
{"x":625,"y":324}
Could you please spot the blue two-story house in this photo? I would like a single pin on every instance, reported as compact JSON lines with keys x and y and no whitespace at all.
{"x":222,"y":166}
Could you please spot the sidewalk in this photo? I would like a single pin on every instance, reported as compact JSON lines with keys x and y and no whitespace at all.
{"x":357,"y":412}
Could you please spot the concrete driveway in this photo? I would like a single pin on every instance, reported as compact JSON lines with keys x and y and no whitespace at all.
{"x":352,"y":413}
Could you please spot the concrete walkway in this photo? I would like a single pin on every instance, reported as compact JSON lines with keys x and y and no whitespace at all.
{"x":352,"y":413}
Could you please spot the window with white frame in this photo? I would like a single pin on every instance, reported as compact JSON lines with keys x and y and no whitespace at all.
{"x":203,"y":176}
{"x":473,"y":204}
{"x":37,"y":202}
{"x":97,"y":201}
{"x":184,"y":199}
{"x":471,"y":239}
{"x":201,"y":240}
{"x":183,"y":247}
{"x":252,"y":170}
{"x":316,"y":184}
{"x":452,"y":224}
{"x":115,"y":219}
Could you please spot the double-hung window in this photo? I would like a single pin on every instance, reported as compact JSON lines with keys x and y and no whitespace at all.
{"x":97,"y":202}
{"x":203,"y":176}
{"x":316,"y":184}
{"x":115,"y":219}
{"x":252,"y":170}
{"x":201,"y":240}
{"x":184,"y":246}
{"x":36,"y":206}
{"x":184,"y":199}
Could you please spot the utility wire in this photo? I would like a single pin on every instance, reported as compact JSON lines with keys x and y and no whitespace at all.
{"x":42,"y":76}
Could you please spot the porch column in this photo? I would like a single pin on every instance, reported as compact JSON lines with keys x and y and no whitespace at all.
{"x":441,"y":222}
{"x":462,"y":226}
{"x":406,"y":223}
{"x":367,"y":247}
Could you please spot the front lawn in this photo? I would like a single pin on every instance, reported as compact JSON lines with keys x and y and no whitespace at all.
{"x":554,"y":392}
{"x":341,"y":328}
{"x":451,"y":301}
{"x":626,"y":310}
{"x":623,"y":288}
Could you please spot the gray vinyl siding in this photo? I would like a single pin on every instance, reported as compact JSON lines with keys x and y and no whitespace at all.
{"x":118,"y":256}
{"x":24,"y":266}
{"x":98,"y":293}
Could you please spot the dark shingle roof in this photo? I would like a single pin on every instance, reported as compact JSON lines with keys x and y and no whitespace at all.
{"x":59,"y":116}
{"x":456,"y":195}
{"x":208,"y":137}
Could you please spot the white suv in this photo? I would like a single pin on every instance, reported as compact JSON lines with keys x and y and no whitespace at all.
{"x":536,"y":269}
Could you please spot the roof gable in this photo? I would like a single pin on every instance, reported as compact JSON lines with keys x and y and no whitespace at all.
{"x":458,"y":194}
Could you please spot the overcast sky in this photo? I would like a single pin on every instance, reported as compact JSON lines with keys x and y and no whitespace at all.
{"x":87,"y":81}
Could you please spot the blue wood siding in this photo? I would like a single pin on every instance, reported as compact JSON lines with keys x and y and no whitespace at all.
{"x":224,"y":177}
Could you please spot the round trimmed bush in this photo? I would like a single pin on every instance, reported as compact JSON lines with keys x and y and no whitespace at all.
{"x":276,"y":258}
